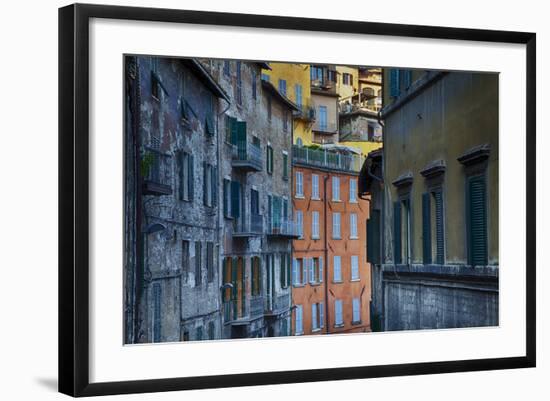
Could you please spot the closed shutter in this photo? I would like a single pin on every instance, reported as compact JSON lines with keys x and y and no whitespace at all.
{"x":282,"y":271}
{"x":407,"y":78}
{"x":191,"y":176}
{"x":314,"y":324}
{"x":337,"y":269}
{"x":426,"y":229}
{"x":226,"y":195}
{"x":181,"y":175}
{"x":321,"y":269}
{"x":214,"y":185}
{"x":295,"y":280}
{"x":287,"y":269}
{"x":397,"y":232}
{"x":373,"y":237}
{"x":311,"y":271}
{"x":321,"y":314}
{"x":156,"y":307}
{"x":477,"y":219}
{"x":241,"y":140}
{"x":233,"y":125}
{"x":439,"y":228}
{"x":235,"y":199}
{"x":394,"y":83}
{"x":205,"y":184}
{"x":304,"y":271}
{"x":270,"y":212}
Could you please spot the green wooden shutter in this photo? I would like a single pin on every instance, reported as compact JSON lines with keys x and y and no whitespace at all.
{"x":191,"y":176}
{"x":204,"y":182}
{"x":235,"y":199}
{"x":439,"y":228}
{"x":285,"y":165}
{"x":394,"y":82}
{"x":373,"y":237}
{"x":214,"y":184}
{"x":397,"y":232}
{"x":407,"y":78}
{"x":477,"y":219}
{"x":426,"y":229}
{"x":282,"y":270}
{"x":288,"y":269}
{"x":233,"y":127}
{"x":181,"y":175}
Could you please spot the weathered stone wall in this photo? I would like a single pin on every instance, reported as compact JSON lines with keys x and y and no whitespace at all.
{"x":422,"y":301}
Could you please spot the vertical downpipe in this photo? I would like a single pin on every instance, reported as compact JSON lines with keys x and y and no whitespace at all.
{"x":325,"y":234}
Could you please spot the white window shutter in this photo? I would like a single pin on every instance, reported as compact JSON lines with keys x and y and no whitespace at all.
{"x":311,"y":271}
{"x":294,"y":271}
{"x":321,"y":269}
{"x":321,"y":314}
{"x":304,"y":271}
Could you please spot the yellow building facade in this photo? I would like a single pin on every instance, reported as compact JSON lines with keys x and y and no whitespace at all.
{"x":293,"y":81}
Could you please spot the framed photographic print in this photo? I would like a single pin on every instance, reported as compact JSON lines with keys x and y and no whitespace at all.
{"x":278,"y":199}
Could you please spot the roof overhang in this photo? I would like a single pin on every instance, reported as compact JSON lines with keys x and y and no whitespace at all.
{"x":279,"y":96}
{"x":201,"y":73}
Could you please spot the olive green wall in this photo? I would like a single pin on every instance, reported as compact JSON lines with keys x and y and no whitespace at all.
{"x":449,"y":117}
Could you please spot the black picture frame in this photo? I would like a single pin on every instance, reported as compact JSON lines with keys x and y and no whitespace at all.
{"x":74,"y":194}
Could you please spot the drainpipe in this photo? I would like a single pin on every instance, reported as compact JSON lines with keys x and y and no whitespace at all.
{"x":325,"y":207}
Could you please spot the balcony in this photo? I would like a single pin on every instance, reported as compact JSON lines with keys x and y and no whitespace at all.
{"x":282,"y":228}
{"x":240,"y":312}
{"x":249,"y":227}
{"x":156,"y":170}
{"x":364,"y":101}
{"x":247,"y":157}
{"x":305,"y":113}
{"x":275,"y":305}
{"x":326,"y":159}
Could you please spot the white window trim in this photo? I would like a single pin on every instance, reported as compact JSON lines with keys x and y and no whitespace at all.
{"x":358,"y":278}
{"x":337,"y":235}
{"x":299,"y":195}
{"x":351,"y":234}
{"x":354,"y":199}
{"x":315,"y":234}
{"x":338,"y":199}
{"x":336,"y":323}
{"x":315,"y":196}
{"x":299,"y":307}
{"x":353,"y":321}
{"x":334,"y":280}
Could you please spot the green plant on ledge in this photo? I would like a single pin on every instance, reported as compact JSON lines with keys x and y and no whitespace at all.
{"x":146,"y":162}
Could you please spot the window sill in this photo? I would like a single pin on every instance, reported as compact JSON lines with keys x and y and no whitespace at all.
{"x":299,"y":196}
{"x":336,"y":200}
{"x":353,"y":237}
{"x":298,"y":285}
{"x":353,"y":201}
{"x":337,"y":238}
{"x":354,"y":280}
{"x":312,"y":237}
{"x":338,"y":326}
{"x":337,"y":282}
{"x":301,"y":333}
{"x":356,"y":323}
{"x":315,"y":284}
{"x":315,"y":199}
{"x":315,"y":330}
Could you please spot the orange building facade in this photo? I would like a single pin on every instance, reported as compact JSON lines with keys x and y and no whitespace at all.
{"x":331,"y":279}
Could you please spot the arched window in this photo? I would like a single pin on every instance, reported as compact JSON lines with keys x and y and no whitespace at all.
{"x":299,"y":142}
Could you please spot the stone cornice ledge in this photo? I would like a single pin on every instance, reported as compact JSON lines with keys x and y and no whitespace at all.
{"x":475,"y":155}
{"x":433,"y":169}
{"x":403,"y":180}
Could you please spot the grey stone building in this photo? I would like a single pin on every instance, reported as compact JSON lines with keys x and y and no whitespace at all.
{"x":255,"y":215}
{"x":433,"y":232}
{"x":172,"y":231}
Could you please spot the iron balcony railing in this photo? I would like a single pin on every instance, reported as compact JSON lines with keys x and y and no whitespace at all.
{"x":156,"y":168}
{"x":282,"y":227}
{"x":326,"y":159}
{"x":247,"y":155}
{"x":242,"y":310}
{"x":276,"y":304}
{"x":251,"y":225}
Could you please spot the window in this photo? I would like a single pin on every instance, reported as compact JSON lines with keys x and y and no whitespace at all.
{"x":269,"y":159}
{"x":285,"y":121}
{"x":186,"y":176}
{"x":315,"y":270}
{"x":209,"y":185}
{"x":227,"y":197}
{"x":354,"y":268}
{"x":282,"y":86}
{"x":210,"y":261}
{"x":321,"y":314}
{"x":226,"y":68}
{"x":299,"y":184}
{"x":300,"y":223}
{"x":297,"y":272}
{"x":230,"y":122}
{"x":347,"y":79}
{"x":269,"y":108}
{"x":336,"y":189}
{"x":156,"y":313}
{"x":198,"y":264}
{"x":323,"y":118}
{"x":314,"y":317}
{"x":239,"y":89}
{"x":356,"y":310}
{"x":338,"y":318}
{"x":336,"y":226}
{"x":211,"y":330}
{"x":256,"y":278}
{"x":299,"y":142}
{"x":433,"y":232}
{"x":209,"y":125}
{"x":254,"y":85}
{"x":353,"y":190}
{"x":285,"y":270}
{"x":315,"y":186}
{"x":235,"y":199}
{"x":402,"y":231}
{"x":337,"y":268}
{"x":298,"y":95}
{"x":477,"y":220}
{"x":298,"y":323}
{"x":285,"y":165}
{"x":315,"y":225}
{"x":353,"y":226}
{"x":185,"y":257}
